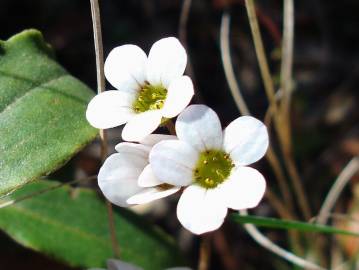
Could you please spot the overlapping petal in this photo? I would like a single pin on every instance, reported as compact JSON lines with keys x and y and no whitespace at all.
{"x":141,"y":125}
{"x":201,"y":210}
{"x":244,"y":188}
{"x":110,"y":109}
{"x":125,"y":67}
{"x":152,"y":139}
{"x":179,"y":95}
{"x":172,"y":161}
{"x":113,"y":264}
{"x":133,"y":148}
{"x":166,"y":61}
{"x":246,"y":139}
{"x":147,"y":178}
{"x":150,"y":194}
{"x":199,"y":126}
{"x":118,"y":176}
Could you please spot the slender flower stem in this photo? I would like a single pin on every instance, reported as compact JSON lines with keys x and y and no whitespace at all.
{"x":278,"y":118}
{"x":96,"y":23}
{"x":346,"y":174}
{"x":268,"y":244}
{"x":204,"y":252}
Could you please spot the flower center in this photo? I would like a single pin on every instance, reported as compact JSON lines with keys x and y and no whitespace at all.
{"x":212,"y":168}
{"x":150,"y":97}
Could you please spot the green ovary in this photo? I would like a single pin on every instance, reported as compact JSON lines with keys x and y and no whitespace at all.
{"x":213,"y":168}
{"x":150,"y":97}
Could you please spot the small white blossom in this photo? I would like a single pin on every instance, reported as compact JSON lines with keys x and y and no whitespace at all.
{"x":213,"y":164}
{"x":113,"y":264}
{"x":126,"y":178}
{"x":148,"y":88}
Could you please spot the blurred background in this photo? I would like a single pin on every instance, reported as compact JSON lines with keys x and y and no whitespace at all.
{"x":324,"y":113}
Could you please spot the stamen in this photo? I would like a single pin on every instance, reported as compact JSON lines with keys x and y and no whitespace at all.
{"x":150,"y":97}
{"x":213,"y":168}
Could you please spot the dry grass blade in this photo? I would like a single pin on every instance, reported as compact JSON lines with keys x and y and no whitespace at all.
{"x":344,"y":177}
{"x":96,"y":23}
{"x":227,"y":65}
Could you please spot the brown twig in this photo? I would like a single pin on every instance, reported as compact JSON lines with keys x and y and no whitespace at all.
{"x":96,"y":23}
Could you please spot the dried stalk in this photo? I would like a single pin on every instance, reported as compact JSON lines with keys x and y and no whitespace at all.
{"x":278,"y":120}
{"x":342,"y":180}
{"x":243,"y":108}
{"x":268,"y":244}
{"x":96,"y":23}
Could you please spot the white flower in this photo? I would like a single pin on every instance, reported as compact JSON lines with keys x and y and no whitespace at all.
{"x":126,"y":178}
{"x":149,"y":88}
{"x":214,"y":165}
{"x":113,"y":264}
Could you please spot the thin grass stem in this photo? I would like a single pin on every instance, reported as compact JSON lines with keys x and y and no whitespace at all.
{"x":97,"y":34}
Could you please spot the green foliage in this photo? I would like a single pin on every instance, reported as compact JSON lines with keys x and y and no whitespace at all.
{"x":72,"y":225}
{"x":290,"y":225}
{"x":42,"y":111}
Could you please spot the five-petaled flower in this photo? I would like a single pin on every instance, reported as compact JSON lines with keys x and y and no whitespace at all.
{"x":213,"y":164}
{"x":126,"y":178}
{"x":149,"y":89}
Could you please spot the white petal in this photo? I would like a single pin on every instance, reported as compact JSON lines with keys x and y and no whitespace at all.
{"x":199,"y":125}
{"x":179,"y":268}
{"x":166,"y":61}
{"x":244,"y":188}
{"x":125,"y":147}
{"x":246,"y":139}
{"x":118,"y":176}
{"x":147,"y":178}
{"x":201,"y":210}
{"x":113,"y":264}
{"x":141,"y":125}
{"x":151,"y":194}
{"x":110,"y":109}
{"x":172,"y":161}
{"x":179,"y":95}
{"x":125,"y":67}
{"x":152,"y":139}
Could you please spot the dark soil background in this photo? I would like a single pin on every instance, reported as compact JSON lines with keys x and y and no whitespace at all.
{"x":324,"y":112}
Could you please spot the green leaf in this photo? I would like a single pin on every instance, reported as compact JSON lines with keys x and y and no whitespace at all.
{"x":42,"y":111}
{"x":289,"y":225}
{"x":71,"y":225}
